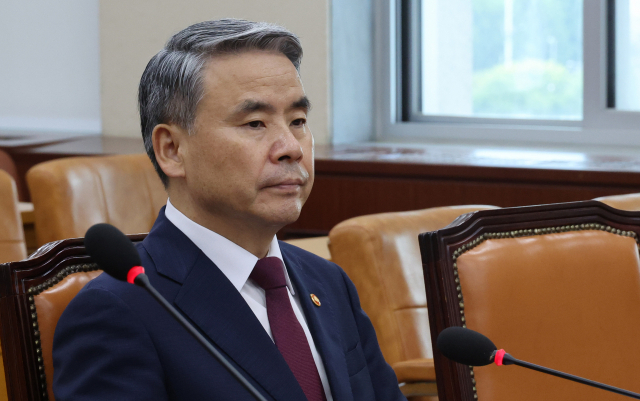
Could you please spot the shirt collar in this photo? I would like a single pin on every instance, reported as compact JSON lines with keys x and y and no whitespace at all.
{"x":235,"y":262}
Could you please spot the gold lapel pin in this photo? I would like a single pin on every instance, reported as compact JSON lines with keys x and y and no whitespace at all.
{"x":316,"y":300}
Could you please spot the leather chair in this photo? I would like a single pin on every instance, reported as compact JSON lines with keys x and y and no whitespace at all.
{"x":380,"y":254}
{"x":7,"y":164}
{"x":555,"y":285}
{"x":33,"y":295}
{"x":12,"y":245}
{"x":316,"y":245}
{"x":622,"y":202}
{"x":70,"y":195}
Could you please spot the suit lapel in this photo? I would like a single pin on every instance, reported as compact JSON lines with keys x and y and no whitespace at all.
{"x":322,"y":324}
{"x":213,"y":304}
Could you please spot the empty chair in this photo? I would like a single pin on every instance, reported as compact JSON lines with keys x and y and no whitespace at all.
{"x":380,"y":254}
{"x":555,"y":285}
{"x":315,"y":245}
{"x":33,"y":295}
{"x":70,"y":195}
{"x":12,"y":245}
{"x":7,"y":164}
{"x":623,"y":202}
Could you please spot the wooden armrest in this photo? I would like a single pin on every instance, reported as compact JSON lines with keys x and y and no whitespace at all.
{"x":415,"y":370}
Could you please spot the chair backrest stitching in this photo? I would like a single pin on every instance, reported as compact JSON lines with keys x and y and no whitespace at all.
{"x":518,"y":234}
{"x":37,"y":290}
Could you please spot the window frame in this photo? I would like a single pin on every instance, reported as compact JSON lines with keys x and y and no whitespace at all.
{"x":600,"y":125}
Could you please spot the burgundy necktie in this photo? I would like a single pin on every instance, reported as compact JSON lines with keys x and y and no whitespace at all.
{"x":285,"y":327}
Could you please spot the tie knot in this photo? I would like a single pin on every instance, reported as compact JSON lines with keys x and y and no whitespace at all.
{"x":269,"y":273}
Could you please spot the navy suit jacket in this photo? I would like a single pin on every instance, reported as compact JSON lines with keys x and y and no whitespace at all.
{"x":114,"y":342}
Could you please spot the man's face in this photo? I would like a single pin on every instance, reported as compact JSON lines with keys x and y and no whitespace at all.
{"x":250,"y":157}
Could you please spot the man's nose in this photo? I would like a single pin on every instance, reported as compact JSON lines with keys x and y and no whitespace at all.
{"x":286,"y":146}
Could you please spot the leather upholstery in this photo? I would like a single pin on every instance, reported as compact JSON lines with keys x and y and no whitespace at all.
{"x":49,"y":307}
{"x":12,"y":245}
{"x":569,"y":301}
{"x":413,"y":370}
{"x":316,"y":245}
{"x":623,"y":202}
{"x":70,"y":195}
{"x":381,"y":255}
{"x":7,"y":164}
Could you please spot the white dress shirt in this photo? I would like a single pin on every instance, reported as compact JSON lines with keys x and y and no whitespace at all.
{"x":237,"y":264}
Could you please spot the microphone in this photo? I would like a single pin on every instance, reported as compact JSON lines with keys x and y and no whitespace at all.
{"x":466,"y":346}
{"x":116,"y":255}
{"x":469,"y":347}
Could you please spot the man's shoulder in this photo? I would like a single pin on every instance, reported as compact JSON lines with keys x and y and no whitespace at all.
{"x":287,"y":247}
{"x":304,"y":257}
{"x":105,"y":288}
{"x":112,"y":287}
{"x":314,"y":267}
{"x":104,"y":282}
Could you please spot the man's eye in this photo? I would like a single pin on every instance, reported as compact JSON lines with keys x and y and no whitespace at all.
{"x":255,"y":124}
{"x":299,"y":122}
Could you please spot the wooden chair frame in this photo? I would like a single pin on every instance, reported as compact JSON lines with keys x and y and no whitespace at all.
{"x":441,"y":248}
{"x":19,"y":283}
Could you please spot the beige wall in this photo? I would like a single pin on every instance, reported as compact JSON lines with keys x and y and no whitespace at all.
{"x":132,"y":31}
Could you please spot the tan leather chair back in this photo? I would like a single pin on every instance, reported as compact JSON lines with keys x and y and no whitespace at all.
{"x":316,"y":245}
{"x":12,"y":245}
{"x":49,"y":305}
{"x":7,"y":164}
{"x":70,"y":195}
{"x":569,"y":301}
{"x":381,"y":255}
{"x":555,"y":285}
{"x":33,"y":296}
{"x":623,"y":202}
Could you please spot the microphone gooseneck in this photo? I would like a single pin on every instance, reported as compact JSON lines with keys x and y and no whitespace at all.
{"x":116,"y":255}
{"x":471,"y":348}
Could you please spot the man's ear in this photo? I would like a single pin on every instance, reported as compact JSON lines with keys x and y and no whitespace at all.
{"x":166,"y":139}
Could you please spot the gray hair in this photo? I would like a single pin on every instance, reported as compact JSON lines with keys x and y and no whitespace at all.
{"x":172,"y":84}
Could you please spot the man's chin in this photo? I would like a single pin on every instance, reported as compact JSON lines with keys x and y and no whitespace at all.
{"x":277,"y":213}
{"x":284,"y":218}
{"x":285,"y":221}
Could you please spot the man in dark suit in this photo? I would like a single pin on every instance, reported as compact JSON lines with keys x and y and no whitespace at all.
{"x":223,"y":116}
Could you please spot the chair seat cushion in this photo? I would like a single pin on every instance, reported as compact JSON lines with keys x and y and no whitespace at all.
{"x":415,"y":370}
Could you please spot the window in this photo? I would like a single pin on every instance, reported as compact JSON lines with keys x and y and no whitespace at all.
{"x":625,"y":38}
{"x":539,"y":71}
{"x":501,"y":59}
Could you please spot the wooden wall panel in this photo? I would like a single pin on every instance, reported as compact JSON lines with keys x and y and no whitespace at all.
{"x":353,"y":180}
{"x":337,"y":198}
{"x":357,"y":180}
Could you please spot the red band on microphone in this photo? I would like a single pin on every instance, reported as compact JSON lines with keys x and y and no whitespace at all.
{"x":499,"y":356}
{"x":134,"y":272}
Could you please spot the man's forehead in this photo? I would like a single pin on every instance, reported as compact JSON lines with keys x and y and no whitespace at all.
{"x":252,"y":81}
{"x":252,"y":69}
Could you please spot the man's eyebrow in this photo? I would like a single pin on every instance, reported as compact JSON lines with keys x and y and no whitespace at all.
{"x":249,"y":106}
{"x":302,"y":103}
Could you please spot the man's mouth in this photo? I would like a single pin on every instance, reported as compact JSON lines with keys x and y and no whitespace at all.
{"x":286,"y":184}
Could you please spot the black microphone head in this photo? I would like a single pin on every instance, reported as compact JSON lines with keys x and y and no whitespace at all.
{"x":111,"y":250}
{"x":466,"y":346}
